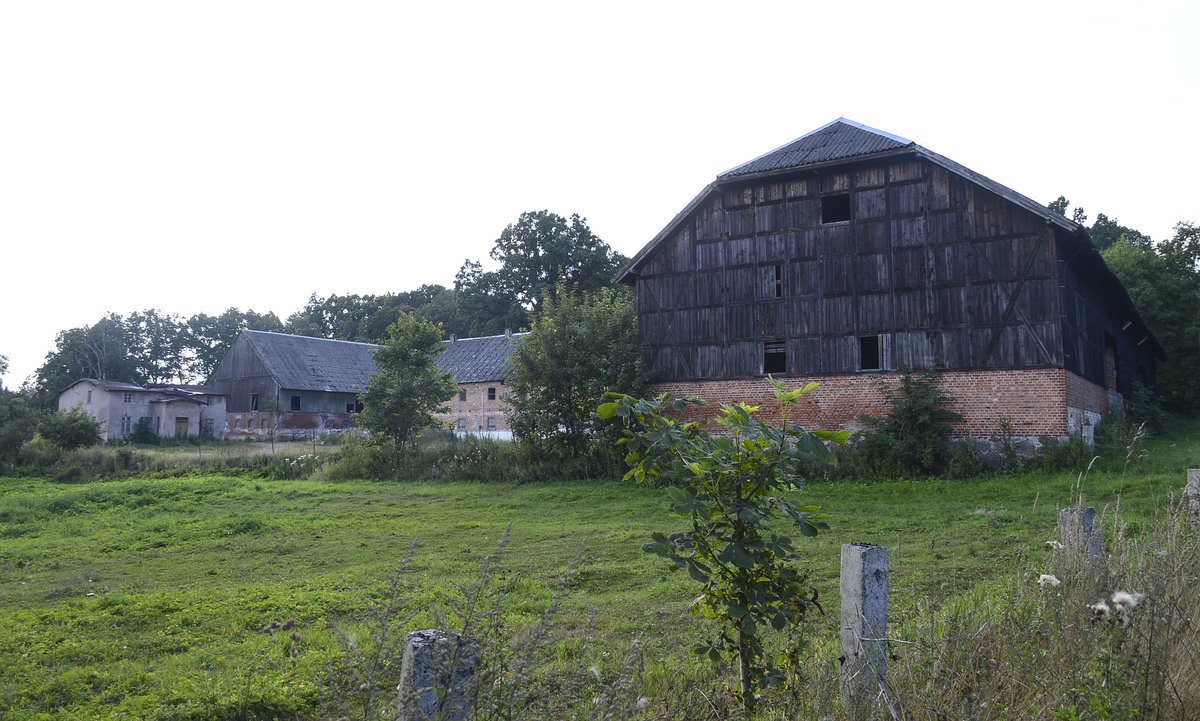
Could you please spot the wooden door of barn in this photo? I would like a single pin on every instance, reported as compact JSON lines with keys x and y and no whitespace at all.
{"x":181,"y":427}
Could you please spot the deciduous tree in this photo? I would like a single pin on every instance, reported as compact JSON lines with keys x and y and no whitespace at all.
{"x":409,"y":389}
{"x":578,"y":348}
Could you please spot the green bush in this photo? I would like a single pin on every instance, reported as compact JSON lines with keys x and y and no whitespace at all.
{"x":142,"y":433}
{"x":70,"y":429}
{"x":914,"y":438}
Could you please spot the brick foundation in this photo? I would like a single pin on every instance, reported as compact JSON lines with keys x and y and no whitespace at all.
{"x":1040,"y":403}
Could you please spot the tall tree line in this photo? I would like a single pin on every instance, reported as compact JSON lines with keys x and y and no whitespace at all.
{"x":538,"y":257}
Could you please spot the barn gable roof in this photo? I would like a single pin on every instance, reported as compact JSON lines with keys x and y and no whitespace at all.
{"x":841,"y":141}
{"x":478,"y":360}
{"x":838,"y":140}
{"x":305,"y":363}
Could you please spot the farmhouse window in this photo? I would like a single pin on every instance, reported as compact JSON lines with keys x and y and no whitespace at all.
{"x":237,"y":423}
{"x":295,"y":403}
{"x":835,"y":208}
{"x":462,"y":394}
{"x":872,"y":352}
{"x":491,"y":394}
{"x":775,"y":356}
{"x":126,"y":425}
{"x":462,"y":424}
{"x":491,"y":424}
{"x":127,"y":398}
{"x":253,"y":401}
{"x":89,"y":398}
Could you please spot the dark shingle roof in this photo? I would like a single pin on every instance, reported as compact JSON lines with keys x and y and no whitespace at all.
{"x":476,"y":360}
{"x":303,"y":363}
{"x":300,"y":362}
{"x":838,"y":140}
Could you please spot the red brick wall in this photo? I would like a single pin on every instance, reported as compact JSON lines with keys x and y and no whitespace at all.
{"x":1086,"y":402}
{"x":477,"y":409}
{"x":1036,"y":401}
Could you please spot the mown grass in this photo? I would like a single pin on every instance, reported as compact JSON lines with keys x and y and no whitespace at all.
{"x":145,"y":597}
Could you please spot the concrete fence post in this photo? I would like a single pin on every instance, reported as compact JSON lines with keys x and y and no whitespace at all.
{"x":437,"y":676}
{"x":1077,"y":529}
{"x":1193,"y":492}
{"x":864,"y":590}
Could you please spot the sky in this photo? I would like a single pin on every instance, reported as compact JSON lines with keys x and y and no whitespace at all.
{"x":192,"y":157}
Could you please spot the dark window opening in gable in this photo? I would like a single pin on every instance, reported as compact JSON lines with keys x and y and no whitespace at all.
{"x":775,"y":356}
{"x":295,"y":403}
{"x":870,"y":357}
{"x":835,"y":208}
{"x":491,"y":394}
{"x":254,"y":401}
{"x":779,"y":281}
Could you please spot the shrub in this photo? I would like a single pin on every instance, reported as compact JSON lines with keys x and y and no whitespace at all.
{"x":914,"y":438}
{"x":70,"y":429}
{"x":143,"y":434}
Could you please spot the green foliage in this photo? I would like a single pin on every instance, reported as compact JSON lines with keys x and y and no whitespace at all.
{"x":401,"y":400}
{"x":914,"y":438}
{"x":18,"y":421}
{"x":70,"y":429}
{"x":579,"y":347}
{"x":143,"y":433}
{"x":730,"y":487}
{"x":1164,"y":284}
{"x":538,"y":254}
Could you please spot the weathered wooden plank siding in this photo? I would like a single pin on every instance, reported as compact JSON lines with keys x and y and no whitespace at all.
{"x":942,"y":270}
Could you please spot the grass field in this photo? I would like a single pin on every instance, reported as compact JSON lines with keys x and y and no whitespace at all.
{"x":145,"y":598}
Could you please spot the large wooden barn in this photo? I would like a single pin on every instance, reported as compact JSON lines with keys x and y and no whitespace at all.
{"x":850,"y":253}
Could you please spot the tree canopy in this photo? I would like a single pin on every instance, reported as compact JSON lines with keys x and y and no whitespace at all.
{"x":539,"y":253}
{"x":579,"y":347}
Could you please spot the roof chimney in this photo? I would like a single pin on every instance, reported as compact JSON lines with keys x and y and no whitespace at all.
{"x":508,"y":332}
{"x":453,"y":337}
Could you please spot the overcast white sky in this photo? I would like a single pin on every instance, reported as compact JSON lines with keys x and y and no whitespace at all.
{"x":190,"y":157}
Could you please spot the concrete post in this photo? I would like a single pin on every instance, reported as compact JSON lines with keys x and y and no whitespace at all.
{"x":1193,"y":492}
{"x":1077,"y":529}
{"x":864,"y":625}
{"x":437,"y":676}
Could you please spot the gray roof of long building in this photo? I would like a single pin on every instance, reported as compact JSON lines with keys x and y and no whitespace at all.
{"x":838,"y":140}
{"x":336,"y":366}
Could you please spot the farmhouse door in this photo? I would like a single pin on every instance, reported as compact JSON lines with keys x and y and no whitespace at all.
{"x":181,"y":424}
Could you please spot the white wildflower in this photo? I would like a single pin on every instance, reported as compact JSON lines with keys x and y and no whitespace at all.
{"x":595,"y":672}
{"x":1047,"y":580}
{"x":1124,"y":599}
{"x":643,"y":702}
{"x":1100,"y":611}
{"x":1055,"y":545}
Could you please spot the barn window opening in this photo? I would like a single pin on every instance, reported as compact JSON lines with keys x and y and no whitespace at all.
{"x":775,"y":356}
{"x":779,"y":281}
{"x":295,"y":403}
{"x":253,"y":401}
{"x":491,"y":394}
{"x":870,"y":357}
{"x":462,"y":424}
{"x":462,"y":394}
{"x":349,"y":407}
{"x":835,"y":208}
{"x":491,"y":424}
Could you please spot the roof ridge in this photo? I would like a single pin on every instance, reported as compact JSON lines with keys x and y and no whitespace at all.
{"x":843,"y":120}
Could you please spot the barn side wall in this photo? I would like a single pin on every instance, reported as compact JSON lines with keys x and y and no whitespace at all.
{"x":1039,"y":402}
